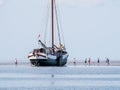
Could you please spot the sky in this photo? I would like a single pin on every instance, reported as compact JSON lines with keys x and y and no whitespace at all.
{"x":91,"y":28}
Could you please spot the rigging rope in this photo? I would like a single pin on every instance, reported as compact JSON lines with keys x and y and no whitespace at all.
{"x":59,"y":25}
{"x":45,"y":36}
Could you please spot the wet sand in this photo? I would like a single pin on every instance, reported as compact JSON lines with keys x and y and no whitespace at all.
{"x":95,"y":63}
{"x":26,"y":77}
{"x":78,"y":63}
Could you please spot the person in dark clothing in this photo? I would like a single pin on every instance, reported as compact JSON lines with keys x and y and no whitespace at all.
{"x":74,"y":61}
{"x":86,"y":60}
{"x":98,"y":61}
{"x":107,"y":61}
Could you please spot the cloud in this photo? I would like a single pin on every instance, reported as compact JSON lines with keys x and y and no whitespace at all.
{"x":82,"y":2}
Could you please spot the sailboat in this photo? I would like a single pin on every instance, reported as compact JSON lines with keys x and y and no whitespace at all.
{"x":49,"y":55}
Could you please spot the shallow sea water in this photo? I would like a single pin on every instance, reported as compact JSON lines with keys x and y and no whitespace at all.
{"x":26,"y":77}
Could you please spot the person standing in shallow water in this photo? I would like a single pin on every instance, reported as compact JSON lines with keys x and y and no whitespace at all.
{"x":74,"y":61}
{"x":98,"y":61}
{"x":85,"y":60}
{"x":16,"y":61}
{"x":107,"y":61}
{"x":89,"y":61}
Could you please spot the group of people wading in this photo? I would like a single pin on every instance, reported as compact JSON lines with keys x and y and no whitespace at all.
{"x":89,"y":61}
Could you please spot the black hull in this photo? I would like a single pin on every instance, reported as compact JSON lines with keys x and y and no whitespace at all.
{"x":48,"y":62}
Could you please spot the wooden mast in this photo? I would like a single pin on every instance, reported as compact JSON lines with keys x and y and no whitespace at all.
{"x":52,"y":19}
